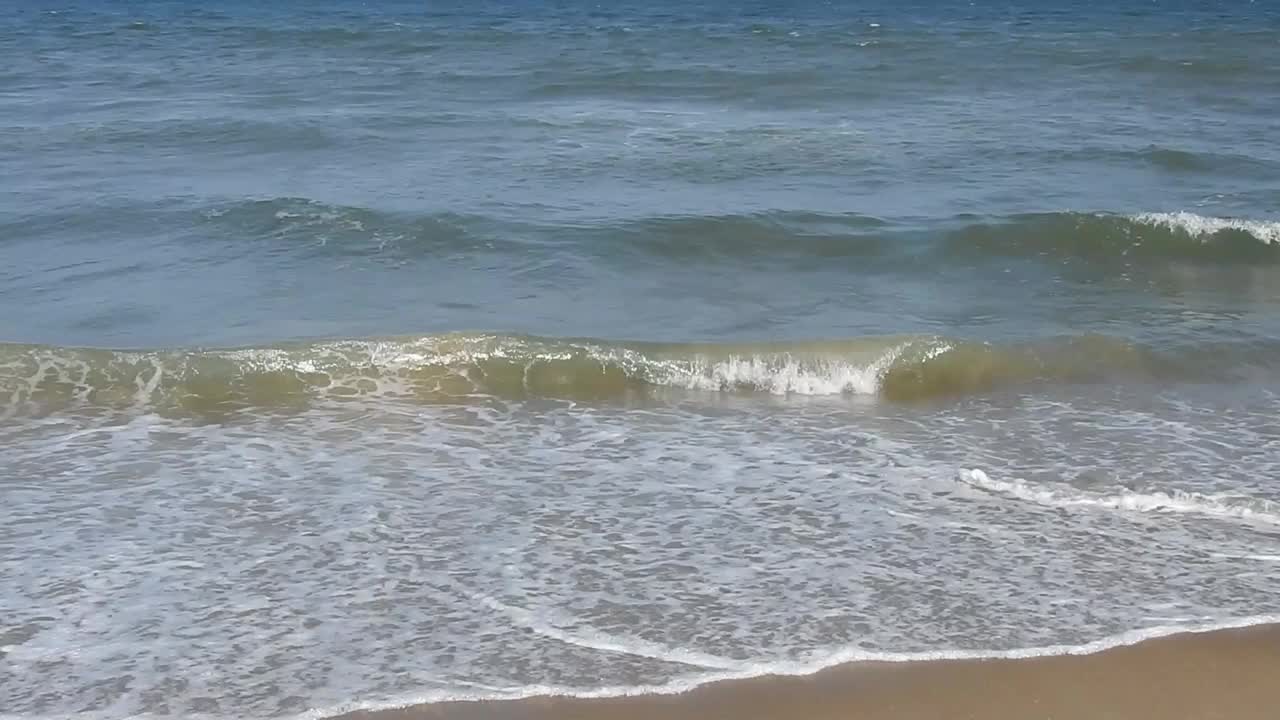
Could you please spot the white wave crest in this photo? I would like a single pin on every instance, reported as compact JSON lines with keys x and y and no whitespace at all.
{"x":777,"y":373}
{"x":780,"y":377}
{"x":787,"y":375}
{"x":1201,"y":227}
{"x":1176,"y":501}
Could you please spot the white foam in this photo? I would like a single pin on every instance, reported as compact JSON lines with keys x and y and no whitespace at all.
{"x":778,"y":374}
{"x":606,"y":642}
{"x":1248,"y":556}
{"x":23,"y":376}
{"x":783,"y":377}
{"x":788,"y":375}
{"x":1175,"y":501}
{"x":147,"y":387}
{"x":1201,"y":227}
{"x":385,"y":521}
{"x":1123,"y":639}
{"x":814,"y":664}
{"x":345,"y":366}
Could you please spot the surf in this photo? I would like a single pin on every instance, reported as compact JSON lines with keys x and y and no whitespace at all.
{"x":461,"y":365}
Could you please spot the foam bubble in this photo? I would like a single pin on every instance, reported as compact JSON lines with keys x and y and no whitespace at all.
{"x":782,"y":376}
{"x":386,"y":550}
{"x":1202,"y":227}
{"x":1247,"y":556}
{"x":607,"y":642}
{"x":1175,"y":501}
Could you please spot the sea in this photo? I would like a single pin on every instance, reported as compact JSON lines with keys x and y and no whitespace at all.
{"x":362,"y":354}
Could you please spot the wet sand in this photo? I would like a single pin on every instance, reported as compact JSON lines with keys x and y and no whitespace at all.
{"x":1220,"y":675}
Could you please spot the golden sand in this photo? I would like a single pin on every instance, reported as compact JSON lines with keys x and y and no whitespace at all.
{"x":1220,"y":675}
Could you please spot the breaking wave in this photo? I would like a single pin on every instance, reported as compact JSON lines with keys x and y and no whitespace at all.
{"x":445,"y":367}
{"x":1201,"y":227}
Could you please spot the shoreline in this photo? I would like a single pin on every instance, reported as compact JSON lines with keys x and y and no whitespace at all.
{"x":1223,"y":674}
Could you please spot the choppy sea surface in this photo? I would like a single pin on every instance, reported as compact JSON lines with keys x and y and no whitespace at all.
{"x":354,"y":355}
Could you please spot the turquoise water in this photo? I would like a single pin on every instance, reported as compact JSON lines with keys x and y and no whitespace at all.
{"x":367,"y":354}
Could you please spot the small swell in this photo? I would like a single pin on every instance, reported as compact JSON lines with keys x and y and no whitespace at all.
{"x":740,"y":237}
{"x":1132,"y":240}
{"x":301,"y":227}
{"x":1187,"y":161}
{"x":1137,"y":239}
{"x":1175,"y":501}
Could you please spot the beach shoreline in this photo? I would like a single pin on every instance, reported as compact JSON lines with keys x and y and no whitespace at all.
{"x":1229,"y":674}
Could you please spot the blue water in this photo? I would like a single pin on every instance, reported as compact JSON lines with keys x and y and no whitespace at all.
{"x":394,"y":351}
{"x":546,"y":129}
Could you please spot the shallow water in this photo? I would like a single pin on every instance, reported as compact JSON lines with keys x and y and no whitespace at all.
{"x":369,"y":355}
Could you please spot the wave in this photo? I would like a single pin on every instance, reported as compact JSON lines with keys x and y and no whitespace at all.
{"x":1173,"y":501}
{"x":1151,"y":236}
{"x":301,"y":226}
{"x":1217,"y":68}
{"x":1133,"y":239}
{"x":338,"y":229}
{"x":1206,"y":228}
{"x":816,"y":662}
{"x":1186,"y":161}
{"x":183,"y":134}
{"x":452,"y":366}
{"x":729,"y":237}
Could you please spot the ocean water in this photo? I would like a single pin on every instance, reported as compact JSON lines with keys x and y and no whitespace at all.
{"x":363,"y":354}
